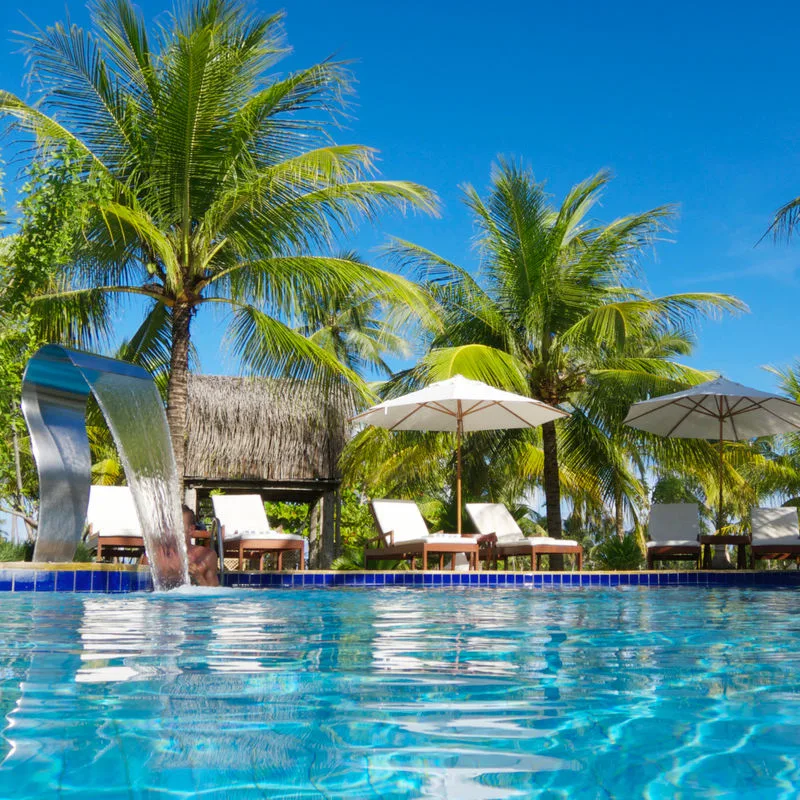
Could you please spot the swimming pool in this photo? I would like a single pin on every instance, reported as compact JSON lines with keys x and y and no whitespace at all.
{"x":400,"y":692}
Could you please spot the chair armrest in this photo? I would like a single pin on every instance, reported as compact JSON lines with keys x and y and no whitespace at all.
{"x":376,"y":542}
{"x":202,"y":536}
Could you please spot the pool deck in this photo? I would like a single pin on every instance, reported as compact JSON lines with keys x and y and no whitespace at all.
{"x":122,"y":579}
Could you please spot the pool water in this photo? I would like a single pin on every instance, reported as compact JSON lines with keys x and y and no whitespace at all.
{"x":401,"y":693}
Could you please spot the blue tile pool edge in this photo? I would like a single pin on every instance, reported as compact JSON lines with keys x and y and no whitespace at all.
{"x":56,"y":578}
{"x":102,"y":579}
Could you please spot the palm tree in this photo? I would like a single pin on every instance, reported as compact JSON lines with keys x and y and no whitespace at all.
{"x":552,"y":314}
{"x":785,"y":220}
{"x":352,"y":326}
{"x":220,"y":184}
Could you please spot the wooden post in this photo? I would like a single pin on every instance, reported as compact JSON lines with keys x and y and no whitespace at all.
{"x":328,"y":529}
{"x":314,"y":534}
{"x":459,"y":426}
{"x":322,"y":529}
{"x":337,"y":531}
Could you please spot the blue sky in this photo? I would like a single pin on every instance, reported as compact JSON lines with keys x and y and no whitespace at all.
{"x":687,"y":103}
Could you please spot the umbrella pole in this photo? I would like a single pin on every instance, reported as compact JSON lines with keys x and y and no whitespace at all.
{"x":721,"y":467}
{"x":458,"y":470}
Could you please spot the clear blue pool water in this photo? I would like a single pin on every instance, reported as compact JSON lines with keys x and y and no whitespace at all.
{"x":399,"y":693}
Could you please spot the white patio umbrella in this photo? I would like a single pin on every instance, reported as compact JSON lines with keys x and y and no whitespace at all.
{"x":459,"y":405}
{"x":718,"y":409}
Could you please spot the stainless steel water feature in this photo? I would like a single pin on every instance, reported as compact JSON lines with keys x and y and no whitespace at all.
{"x":55,"y":390}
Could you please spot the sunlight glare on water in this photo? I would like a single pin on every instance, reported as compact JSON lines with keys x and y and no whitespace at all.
{"x":402,"y":693}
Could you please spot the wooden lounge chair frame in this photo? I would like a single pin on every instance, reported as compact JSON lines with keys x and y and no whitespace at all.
{"x":777,"y":552}
{"x":384,"y":547}
{"x":119,"y":544}
{"x":674,"y":553}
{"x":119,"y":547}
{"x":260,"y":548}
{"x":688,"y":550}
{"x":505,"y":548}
{"x":536,"y":551}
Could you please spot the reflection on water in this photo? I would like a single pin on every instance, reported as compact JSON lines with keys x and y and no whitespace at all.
{"x":401,"y":693}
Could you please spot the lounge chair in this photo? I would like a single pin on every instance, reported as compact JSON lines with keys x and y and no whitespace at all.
{"x":246,"y":533}
{"x":495,"y":519}
{"x":402,"y":533}
{"x":674,"y":530}
{"x":775,"y":534}
{"x":113,"y":523}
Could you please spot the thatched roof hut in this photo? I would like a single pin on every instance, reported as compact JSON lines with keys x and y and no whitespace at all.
{"x":282,"y":438}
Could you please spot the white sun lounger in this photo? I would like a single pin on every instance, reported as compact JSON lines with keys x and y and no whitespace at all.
{"x":775,"y":534}
{"x":402,"y":533}
{"x":246,"y":532}
{"x":495,"y":519}
{"x":674,"y":530}
{"x":113,"y":522}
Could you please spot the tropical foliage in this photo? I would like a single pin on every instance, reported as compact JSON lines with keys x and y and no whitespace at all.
{"x":615,"y":553}
{"x":352,"y":325}
{"x":50,"y":220}
{"x":786,"y":219}
{"x":176,"y":169}
{"x":220,"y":184}
{"x":554,"y":313}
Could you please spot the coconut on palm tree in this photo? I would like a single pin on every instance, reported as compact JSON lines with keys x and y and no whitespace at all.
{"x":554,"y":312}
{"x":220,"y":183}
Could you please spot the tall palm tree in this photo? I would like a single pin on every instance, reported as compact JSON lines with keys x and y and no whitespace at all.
{"x":553,"y":314}
{"x":353,"y":326}
{"x":220,"y":184}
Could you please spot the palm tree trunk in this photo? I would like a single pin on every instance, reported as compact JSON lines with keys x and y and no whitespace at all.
{"x":18,"y":476}
{"x":552,"y":488}
{"x":178,"y":386}
{"x":619,"y":519}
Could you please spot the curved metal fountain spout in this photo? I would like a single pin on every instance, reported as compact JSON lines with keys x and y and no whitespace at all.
{"x":55,"y":390}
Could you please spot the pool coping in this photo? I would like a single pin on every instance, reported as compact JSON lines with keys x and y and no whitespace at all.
{"x":123,"y":579}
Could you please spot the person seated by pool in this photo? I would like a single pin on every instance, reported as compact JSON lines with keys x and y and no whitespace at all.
{"x":202,"y":560}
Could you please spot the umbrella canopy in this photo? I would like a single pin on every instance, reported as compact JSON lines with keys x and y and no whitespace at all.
{"x":718,"y":409}
{"x":459,"y":405}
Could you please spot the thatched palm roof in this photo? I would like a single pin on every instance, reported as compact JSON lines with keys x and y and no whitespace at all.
{"x":264,"y":430}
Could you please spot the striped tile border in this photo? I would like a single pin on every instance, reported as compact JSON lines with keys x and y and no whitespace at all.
{"x":544,"y":580}
{"x":95,"y":578}
{"x":111,"y":579}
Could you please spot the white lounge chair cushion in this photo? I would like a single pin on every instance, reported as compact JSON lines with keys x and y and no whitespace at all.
{"x":266,"y":535}
{"x":243,"y":517}
{"x":403,"y":518}
{"x":434,"y":538}
{"x":112,"y":512}
{"x":672,"y":523}
{"x":542,"y":540}
{"x":775,"y":526}
{"x":240,"y":512}
{"x":494,"y":518}
{"x":684,"y":543}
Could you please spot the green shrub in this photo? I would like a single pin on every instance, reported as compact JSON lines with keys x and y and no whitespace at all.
{"x":15,"y":552}
{"x":83,"y":553}
{"x":615,"y":553}
{"x":353,"y":558}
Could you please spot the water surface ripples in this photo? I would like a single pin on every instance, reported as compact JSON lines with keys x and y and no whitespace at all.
{"x":402,"y":693}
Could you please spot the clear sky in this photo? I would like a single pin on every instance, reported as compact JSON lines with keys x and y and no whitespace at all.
{"x":688,"y":103}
